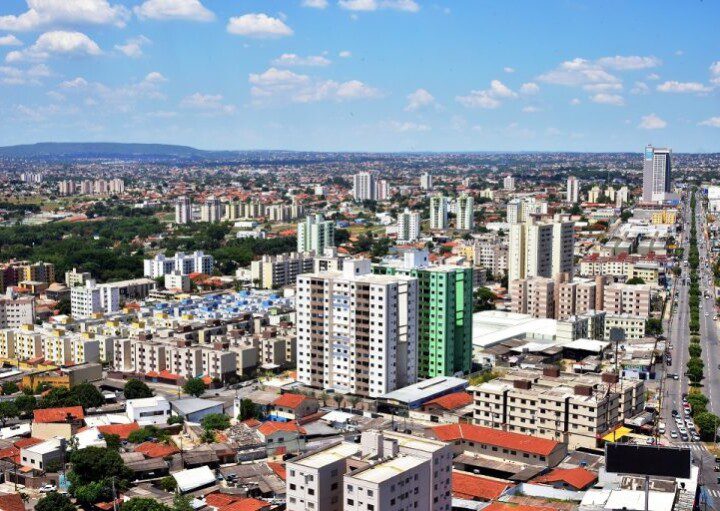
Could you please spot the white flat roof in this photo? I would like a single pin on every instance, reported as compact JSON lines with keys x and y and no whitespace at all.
{"x":188,"y":480}
{"x":588,"y":345}
{"x":493,"y":327}
{"x":45,"y":447}
{"x":328,"y":456}
{"x":388,"y":469}
{"x":426,"y":389}
{"x":146,"y":401}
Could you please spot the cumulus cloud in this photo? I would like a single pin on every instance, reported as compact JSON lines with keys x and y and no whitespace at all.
{"x":345,"y":54}
{"x":121,"y":98}
{"x":608,"y":99}
{"x":207,"y":103}
{"x":575,"y":101}
{"x":631,"y":62}
{"x":713,"y":122}
{"x":10,"y":75}
{"x":509,"y":69}
{"x":419,"y":99}
{"x":651,"y":122}
{"x":315,"y":4}
{"x":578,"y":72}
{"x":529,"y":88}
{"x":640,"y":88}
{"x":405,"y":127}
{"x":54,"y":43}
{"x":259,"y":26}
{"x":602,"y":87}
{"x":374,"y":5}
{"x":133,"y":47}
{"x":683,"y":87}
{"x":531,"y":109}
{"x":42,"y":13}
{"x":284,"y":85}
{"x":190,"y":10}
{"x":715,"y":72}
{"x":293,"y":60}
{"x":487,"y":98}
{"x":10,"y":40}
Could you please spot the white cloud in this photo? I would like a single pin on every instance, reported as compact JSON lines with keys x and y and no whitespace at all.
{"x":608,"y":99}
{"x":575,"y":101}
{"x":258,"y":25}
{"x":284,"y":85}
{"x":10,"y":40}
{"x":713,"y":122}
{"x":419,"y":99}
{"x":602,"y":87}
{"x":531,"y":109}
{"x":529,"y":88}
{"x":488,"y":98}
{"x":715,"y":72}
{"x":653,"y":76}
{"x":75,"y":83}
{"x":683,"y":87}
{"x":10,"y":75}
{"x":293,"y":60}
{"x":640,"y":88}
{"x":133,"y":46}
{"x":42,"y":13}
{"x":651,"y":122}
{"x":374,"y":5}
{"x":315,"y":4}
{"x":345,"y":54}
{"x":405,"y":127}
{"x":578,"y":72}
{"x":509,"y":69}
{"x":191,"y":10}
{"x":207,"y":103}
{"x":629,"y":62}
{"x":57,"y":43}
{"x":155,"y":77}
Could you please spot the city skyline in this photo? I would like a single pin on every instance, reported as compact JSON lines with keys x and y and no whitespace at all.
{"x":314,"y":75}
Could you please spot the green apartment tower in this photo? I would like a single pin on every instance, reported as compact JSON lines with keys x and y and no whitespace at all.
{"x":445,"y":303}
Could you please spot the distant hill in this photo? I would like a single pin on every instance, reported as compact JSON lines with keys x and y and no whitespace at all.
{"x":77,"y":150}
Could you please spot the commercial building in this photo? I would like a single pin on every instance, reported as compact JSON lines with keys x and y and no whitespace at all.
{"x":386,"y":471}
{"x":315,"y":234}
{"x":364,"y":187}
{"x":357,"y":332}
{"x":272,"y":272}
{"x":183,"y":210}
{"x":572,"y":193}
{"x":408,"y":226}
{"x":540,"y":249}
{"x":438,"y":212}
{"x":464,"y":213}
{"x":197,"y":262}
{"x":657,"y":167}
{"x":566,"y":407}
{"x":445,"y":308}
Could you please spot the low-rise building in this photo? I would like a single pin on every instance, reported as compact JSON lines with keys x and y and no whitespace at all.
{"x":149,"y":410}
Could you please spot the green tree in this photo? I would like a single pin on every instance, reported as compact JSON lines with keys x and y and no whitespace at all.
{"x":695,"y":374}
{"x":141,"y":504}
{"x":248,"y":410}
{"x":338,"y":398}
{"x":695,"y":350}
{"x":194,"y":387}
{"x":653,"y":326}
{"x":483,"y":300}
{"x":144,"y":434}
{"x":87,"y":395}
{"x":168,"y":483}
{"x":708,"y":424}
{"x":136,"y":389}
{"x":8,"y":410}
{"x":58,"y":397}
{"x":176,"y":419}
{"x":54,"y":501}
{"x":112,"y":441}
{"x":63,"y":306}
{"x":635,"y":281}
{"x":182,"y":503}
{"x":215,"y":421}
{"x":25,"y":404}
{"x":94,"y":470}
{"x":9,"y":387}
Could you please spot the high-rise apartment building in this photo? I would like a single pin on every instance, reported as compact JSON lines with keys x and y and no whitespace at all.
{"x":509,"y":183}
{"x":426,"y":181}
{"x":464,"y":213}
{"x":364,"y":186}
{"x":540,"y":249}
{"x":408,"y":226}
{"x":183,"y":210}
{"x":16,"y":311}
{"x":572,"y":194}
{"x":197,"y":262}
{"x":211,"y":210}
{"x":445,"y":313}
{"x":438,"y":212}
{"x":357,"y":332}
{"x":272,"y":272}
{"x":315,"y":234}
{"x":657,"y":167}
{"x":382,"y":190}
{"x":522,"y":209}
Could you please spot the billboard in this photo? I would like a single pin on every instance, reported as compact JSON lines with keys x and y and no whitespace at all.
{"x":649,"y":460}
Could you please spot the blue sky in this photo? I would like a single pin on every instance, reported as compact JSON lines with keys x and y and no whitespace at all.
{"x":375,"y":75}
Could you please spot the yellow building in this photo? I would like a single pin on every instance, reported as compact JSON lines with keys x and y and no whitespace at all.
{"x":664,"y":217}
{"x":28,"y":342}
{"x":7,"y":343}
{"x":43,"y":272}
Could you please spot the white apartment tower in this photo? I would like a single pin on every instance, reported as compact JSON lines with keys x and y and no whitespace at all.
{"x":540,"y":249}
{"x":438,"y":212}
{"x":364,"y":187}
{"x":183,"y":210}
{"x":464,"y":213}
{"x":426,"y":181}
{"x":572,"y":194}
{"x":357,"y":332}
{"x":408,"y":226}
{"x":315,"y":234}
{"x":382,"y":190}
{"x":509,"y":183}
{"x":657,"y":167}
{"x":211,"y":210}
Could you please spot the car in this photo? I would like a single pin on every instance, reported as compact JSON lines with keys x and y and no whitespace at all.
{"x":682,"y":430}
{"x":47,"y":488}
{"x":673,"y":434}
{"x":674,"y":413}
{"x":676,"y":377}
{"x":684,"y":437}
{"x":661,"y":430}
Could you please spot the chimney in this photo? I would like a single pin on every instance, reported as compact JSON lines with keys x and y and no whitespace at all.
{"x":551,"y":371}
{"x":583,"y":390}
{"x":610,"y":378}
{"x":522,"y":384}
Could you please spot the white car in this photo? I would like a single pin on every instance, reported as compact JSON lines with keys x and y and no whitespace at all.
{"x":47,"y":488}
{"x":673,"y":434}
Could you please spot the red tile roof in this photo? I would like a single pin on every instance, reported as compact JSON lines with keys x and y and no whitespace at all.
{"x":579,"y":478}
{"x":217,"y":499}
{"x":58,"y":414}
{"x":278,"y":468}
{"x":252,"y":423}
{"x":469,"y":486}
{"x":289,"y":400}
{"x":502,"y":506}
{"x":11,"y":502}
{"x":121,"y":430}
{"x":156,"y":450}
{"x":451,"y":401}
{"x":246,"y":505}
{"x":504,"y":439}
{"x":270,"y":427}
